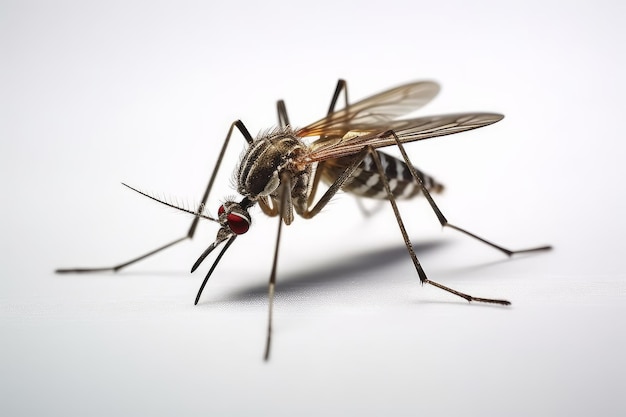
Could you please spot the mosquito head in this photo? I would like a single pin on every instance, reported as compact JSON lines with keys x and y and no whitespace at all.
{"x":235,"y":220}
{"x":234,"y":216}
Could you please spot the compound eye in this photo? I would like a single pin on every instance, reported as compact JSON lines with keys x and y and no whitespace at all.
{"x":220,"y":210}
{"x":238,"y":223}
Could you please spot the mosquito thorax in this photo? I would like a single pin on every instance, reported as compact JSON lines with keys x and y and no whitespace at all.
{"x":234,"y":217}
{"x":271,"y":153}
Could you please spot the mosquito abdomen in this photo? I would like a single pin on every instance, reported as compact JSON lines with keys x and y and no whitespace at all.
{"x":366,"y":182}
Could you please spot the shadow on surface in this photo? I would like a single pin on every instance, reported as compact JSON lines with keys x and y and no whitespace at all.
{"x":361,"y":266}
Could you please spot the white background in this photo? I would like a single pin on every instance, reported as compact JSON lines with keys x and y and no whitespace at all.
{"x":93,"y":94}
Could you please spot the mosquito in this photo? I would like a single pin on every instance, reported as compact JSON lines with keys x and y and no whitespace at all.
{"x":281,"y":170}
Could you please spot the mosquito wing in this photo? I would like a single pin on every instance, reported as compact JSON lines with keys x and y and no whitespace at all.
{"x":379,"y":109}
{"x":407,"y":130}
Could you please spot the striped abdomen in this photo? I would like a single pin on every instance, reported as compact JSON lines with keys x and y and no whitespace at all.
{"x":366,"y":182}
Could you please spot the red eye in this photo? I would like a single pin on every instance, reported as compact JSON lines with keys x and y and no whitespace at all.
{"x":238,"y":224}
{"x":220,"y":210}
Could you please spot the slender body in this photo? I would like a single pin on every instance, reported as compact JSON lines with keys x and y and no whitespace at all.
{"x":281,"y":173}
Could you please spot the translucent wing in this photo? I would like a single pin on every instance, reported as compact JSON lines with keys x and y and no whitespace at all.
{"x":375,"y":110}
{"x":407,"y":130}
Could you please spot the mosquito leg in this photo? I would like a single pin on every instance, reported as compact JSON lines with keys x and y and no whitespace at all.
{"x":317,"y":177}
{"x":336,"y":186}
{"x":332,"y":190}
{"x":268,"y":207}
{"x":119,"y":266}
{"x":283,"y":203}
{"x":192,"y":229}
{"x":342,"y":85}
{"x":319,"y":169}
{"x":418,"y":267}
{"x":244,"y":131}
{"x":444,"y":222}
{"x":283,"y":120}
{"x":281,"y":109}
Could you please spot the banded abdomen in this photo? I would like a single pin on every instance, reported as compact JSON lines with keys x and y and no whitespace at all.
{"x":366,"y":182}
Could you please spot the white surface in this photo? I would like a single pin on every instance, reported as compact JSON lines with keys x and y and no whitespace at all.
{"x":144,"y":92}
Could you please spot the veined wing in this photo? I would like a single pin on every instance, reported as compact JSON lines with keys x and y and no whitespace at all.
{"x":375,"y":110}
{"x":407,"y":130}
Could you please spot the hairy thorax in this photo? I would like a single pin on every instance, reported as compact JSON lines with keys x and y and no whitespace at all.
{"x":267,"y":158}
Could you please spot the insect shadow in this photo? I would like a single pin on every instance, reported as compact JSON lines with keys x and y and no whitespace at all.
{"x":364,"y":267}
